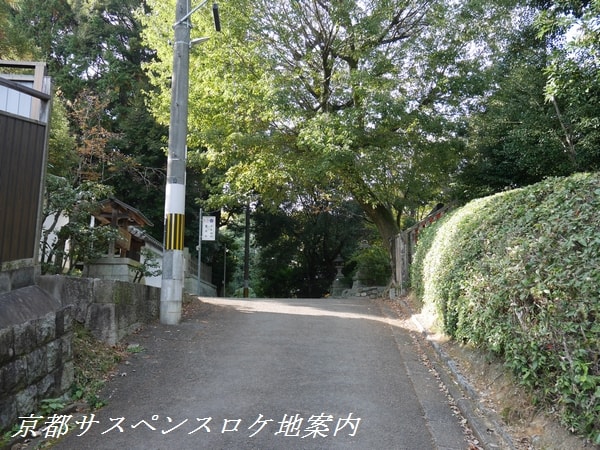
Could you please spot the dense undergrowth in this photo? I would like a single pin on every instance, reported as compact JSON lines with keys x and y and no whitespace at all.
{"x":94,"y":362}
{"x":518,"y":274}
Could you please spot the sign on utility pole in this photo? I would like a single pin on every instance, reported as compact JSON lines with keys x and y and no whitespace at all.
{"x":208,"y":232}
{"x":209,"y":228}
{"x":171,"y":293}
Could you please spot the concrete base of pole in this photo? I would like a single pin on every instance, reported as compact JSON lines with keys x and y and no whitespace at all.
{"x":171,"y":293}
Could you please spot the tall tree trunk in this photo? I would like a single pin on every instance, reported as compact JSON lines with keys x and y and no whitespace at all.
{"x":384,"y":220}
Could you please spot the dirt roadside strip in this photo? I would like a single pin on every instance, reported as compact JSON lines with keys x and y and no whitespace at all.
{"x":484,"y":423}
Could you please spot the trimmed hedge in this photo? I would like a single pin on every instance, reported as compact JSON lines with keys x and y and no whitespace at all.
{"x":518,"y":274}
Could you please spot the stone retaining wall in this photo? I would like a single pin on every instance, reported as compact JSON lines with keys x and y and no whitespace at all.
{"x":13,"y":277}
{"x":36,"y":333}
{"x":109,"y":309}
{"x":36,"y":353}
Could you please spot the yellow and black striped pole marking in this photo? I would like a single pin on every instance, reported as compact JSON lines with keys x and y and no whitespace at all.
{"x":174,"y":230}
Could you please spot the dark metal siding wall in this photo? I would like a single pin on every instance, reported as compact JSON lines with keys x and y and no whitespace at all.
{"x":21,"y":159}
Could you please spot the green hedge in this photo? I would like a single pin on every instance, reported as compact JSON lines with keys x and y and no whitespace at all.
{"x":518,"y":274}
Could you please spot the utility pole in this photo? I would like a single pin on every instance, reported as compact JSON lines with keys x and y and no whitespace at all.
{"x":172,"y":268}
{"x":200,"y":253}
{"x":225,"y":271}
{"x":247,"y":253}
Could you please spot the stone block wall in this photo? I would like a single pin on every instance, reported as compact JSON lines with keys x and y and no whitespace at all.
{"x":13,"y":277}
{"x":36,"y":333}
{"x":204,"y":289}
{"x":36,"y":353}
{"x":112,"y":268}
{"x":109,"y":309}
{"x":118,"y":309}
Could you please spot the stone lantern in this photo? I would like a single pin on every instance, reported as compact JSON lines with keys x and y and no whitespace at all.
{"x":337,"y":288}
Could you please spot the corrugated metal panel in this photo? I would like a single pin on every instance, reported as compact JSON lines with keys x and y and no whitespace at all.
{"x":21,"y":159}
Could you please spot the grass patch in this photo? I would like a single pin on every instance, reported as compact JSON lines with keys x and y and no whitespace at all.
{"x":95,"y":362}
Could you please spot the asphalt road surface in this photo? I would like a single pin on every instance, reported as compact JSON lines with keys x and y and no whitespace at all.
{"x":273,"y":374}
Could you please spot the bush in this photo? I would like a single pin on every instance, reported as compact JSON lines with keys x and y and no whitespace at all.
{"x":517,"y":274}
{"x":373,"y":266}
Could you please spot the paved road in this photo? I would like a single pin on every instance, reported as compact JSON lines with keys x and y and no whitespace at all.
{"x":274,"y":374}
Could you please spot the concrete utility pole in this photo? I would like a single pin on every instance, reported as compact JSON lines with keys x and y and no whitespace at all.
{"x":172,"y":268}
{"x":200,"y":253}
{"x":247,"y":252}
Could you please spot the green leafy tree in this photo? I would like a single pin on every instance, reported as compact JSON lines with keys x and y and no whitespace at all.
{"x":571,"y":30}
{"x":14,"y":42}
{"x":517,"y":138}
{"x":298,"y":243}
{"x":365,"y":96}
{"x":149,"y":267}
{"x":372,"y":266}
{"x":62,"y":154}
{"x":540,"y":118}
{"x":76,"y":204}
{"x":94,"y":56}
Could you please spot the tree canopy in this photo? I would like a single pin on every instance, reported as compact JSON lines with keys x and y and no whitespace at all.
{"x":395,"y":105}
{"x":94,"y":54}
{"x":364,"y":99}
{"x":542,"y":114}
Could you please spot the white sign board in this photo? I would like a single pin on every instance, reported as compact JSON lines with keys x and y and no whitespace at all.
{"x":209,"y":228}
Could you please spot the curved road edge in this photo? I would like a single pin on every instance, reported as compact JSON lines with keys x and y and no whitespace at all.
{"x":483,"y":422}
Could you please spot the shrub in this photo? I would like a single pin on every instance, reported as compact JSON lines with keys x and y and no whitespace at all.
{"x":373,"y":266}
{"x":517,"y":274}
